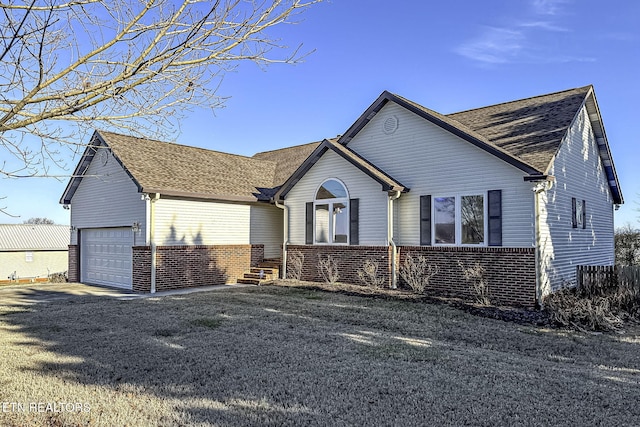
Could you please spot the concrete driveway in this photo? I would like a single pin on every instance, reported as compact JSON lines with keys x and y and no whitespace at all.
{"x":32,"y":293}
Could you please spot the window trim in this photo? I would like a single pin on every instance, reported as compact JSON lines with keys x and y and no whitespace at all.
{"x":458,"y":219}
{"x":330,"y":202}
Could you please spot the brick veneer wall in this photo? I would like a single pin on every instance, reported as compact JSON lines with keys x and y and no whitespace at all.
{"x":141,"y":258}
{"x":191,"y":266}
{"x":73,"y":271}
{"x":511,"y":272}
{"x":349,"y":260}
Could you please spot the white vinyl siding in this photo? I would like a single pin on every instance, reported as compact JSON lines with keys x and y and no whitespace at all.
{"x":267,"y":229}
{"x":373,"y":201}
{"x":431,"y":161}
{"x":196,"y":222}
{"x":107,"y":197}
{"x":579,"y":174}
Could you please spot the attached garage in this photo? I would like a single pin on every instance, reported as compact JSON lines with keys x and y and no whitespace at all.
{"x":106,"y":256}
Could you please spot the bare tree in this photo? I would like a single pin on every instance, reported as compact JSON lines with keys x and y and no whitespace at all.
{"x":124,"y":64}
{"x":39,"y":221}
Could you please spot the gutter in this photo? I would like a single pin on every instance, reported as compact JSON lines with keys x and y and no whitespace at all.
{"x":394,"y":249}
{"x":285,"y":237}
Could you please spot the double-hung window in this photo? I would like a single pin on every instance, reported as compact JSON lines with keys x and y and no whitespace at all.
{"x":331,"y":213}
{"x":459,"y":220}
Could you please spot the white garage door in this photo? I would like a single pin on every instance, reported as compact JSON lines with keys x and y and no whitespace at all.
{"x":106,"y":256}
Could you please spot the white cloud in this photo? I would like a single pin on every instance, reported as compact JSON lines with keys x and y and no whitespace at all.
{"x":495,"y":45}
{"x":543,"y":25}
{"x":548,"y":7}
{"x":523,"y":40}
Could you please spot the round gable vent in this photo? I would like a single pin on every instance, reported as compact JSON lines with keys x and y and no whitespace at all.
{"x":390,"y":125}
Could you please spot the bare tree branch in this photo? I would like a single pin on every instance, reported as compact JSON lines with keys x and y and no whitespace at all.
{"x":136,"y":65}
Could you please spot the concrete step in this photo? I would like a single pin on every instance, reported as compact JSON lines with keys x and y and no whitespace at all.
{"x":257,"y":270}
{"x":249,"y":281}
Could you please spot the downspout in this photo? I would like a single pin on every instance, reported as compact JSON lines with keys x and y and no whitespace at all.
{"x":152,"y":239}
{"x":539,"y":188}
{"x":285,"y":212}
{"x":394,"y":250}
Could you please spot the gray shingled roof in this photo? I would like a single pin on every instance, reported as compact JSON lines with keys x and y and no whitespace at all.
{"x":529,"y":129}
{"x":526,"y":133}
{"x":287,"y":159}
{"x":181,"y":170}
{"x":32,"y":237}
{"x":163,"y":167}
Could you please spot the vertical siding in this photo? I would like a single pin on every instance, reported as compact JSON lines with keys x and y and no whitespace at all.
{"x":579,"y":173}
{"x":107,"y":197}
{"x":267,"y":229}
{"x":197,"y":222}
{"x":430,"y":160}
{"x":373,"y":201}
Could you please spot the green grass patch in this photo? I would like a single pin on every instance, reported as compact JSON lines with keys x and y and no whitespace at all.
{"x":206,"y":322}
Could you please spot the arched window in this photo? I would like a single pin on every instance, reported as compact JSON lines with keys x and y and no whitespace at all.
{"x":331,"y":213}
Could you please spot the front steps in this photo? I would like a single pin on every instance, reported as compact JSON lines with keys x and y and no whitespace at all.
{"x":266,"y":272}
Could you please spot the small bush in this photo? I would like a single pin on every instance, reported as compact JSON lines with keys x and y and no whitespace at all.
{"x":328,"y":269}
{"x":602,"y":303}
{"x":567,"y":308}
{"x":294,"y":265}
{"x":58,"y":277}
{"x":369,"y":274}
{"x":475,"y":275}
{"x":417,"y":272}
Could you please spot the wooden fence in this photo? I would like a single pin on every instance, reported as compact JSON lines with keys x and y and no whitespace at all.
{"x":597,"y":280}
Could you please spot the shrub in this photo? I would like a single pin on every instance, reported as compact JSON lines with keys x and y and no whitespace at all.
{"x":417,"y":272}
{"x":369,"y":274}
{"x":602,"y":303}
{"x":58,"y":277}
{"x":328,"y":269}
{"x":294,"y":266}
{"x":475,"y":275}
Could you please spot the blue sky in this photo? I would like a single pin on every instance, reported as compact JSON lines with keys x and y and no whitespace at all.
{"x":448,"y":56}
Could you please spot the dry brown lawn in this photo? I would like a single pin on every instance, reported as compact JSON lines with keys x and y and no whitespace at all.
{"x":288,"y":356}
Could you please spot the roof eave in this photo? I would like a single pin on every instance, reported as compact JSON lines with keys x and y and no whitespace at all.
{"x":603,"y":146}
{"x":199,"y":196}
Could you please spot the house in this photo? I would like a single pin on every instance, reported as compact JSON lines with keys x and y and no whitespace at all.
{"x":32,"y":252}
{"x":524,"y":189}
{"x":150,"y":215}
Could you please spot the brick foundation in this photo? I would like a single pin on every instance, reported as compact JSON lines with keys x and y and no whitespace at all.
{"x":349,"y":259}
{"x":191,"y":266}
{"x":511,"y":272}
{"x":73,"y":272}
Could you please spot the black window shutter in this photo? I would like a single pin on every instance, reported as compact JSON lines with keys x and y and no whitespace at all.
{"x":574,"y":216}
{"x":425,"y":220}
{"x":495,"y":217}
{"x":354,"y":221}
{"x":584,"y":214}
{"x":308,"y":235}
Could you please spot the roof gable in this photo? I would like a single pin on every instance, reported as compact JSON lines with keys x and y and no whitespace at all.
{"x":525,"y":133}
{"x":447,"y":123}
{"x":179,"y":170}
{"x":387,"y":182}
